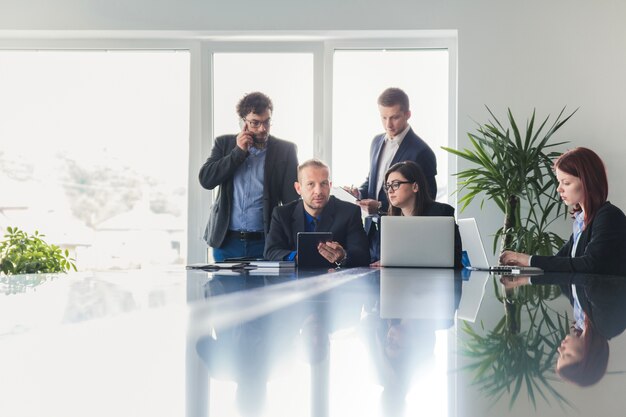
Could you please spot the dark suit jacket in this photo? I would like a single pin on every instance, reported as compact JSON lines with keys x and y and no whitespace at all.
{"x":281,"y":166}
{"x":413,"y":148}
{"x":341,"y":218}
{"x":601,"y":248}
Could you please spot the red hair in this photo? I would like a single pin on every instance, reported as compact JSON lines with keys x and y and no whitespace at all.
{"x":586,"y":165}
{"x":592,"y":367}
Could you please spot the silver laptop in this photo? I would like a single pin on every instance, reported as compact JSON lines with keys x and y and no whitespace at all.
{"x":473,"y":246}
{"x":417,"y":241}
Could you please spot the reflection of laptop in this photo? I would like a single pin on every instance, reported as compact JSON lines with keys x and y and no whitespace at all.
{"x":473,"y":245}
{"x":417,"y":241}
{"x":423,"y":293}
{"x":472,"y":295}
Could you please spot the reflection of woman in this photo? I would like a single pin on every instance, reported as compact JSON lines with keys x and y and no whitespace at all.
{"x":583,"y":355}
{"x":407,"y":193}
{"x":600,"y":315}
{"x":598,"y":241}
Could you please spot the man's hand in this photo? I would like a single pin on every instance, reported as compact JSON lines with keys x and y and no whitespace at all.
{"x":352,"y":190}
{"x":245,"y":139}
{"x":331,"y":251}
{"x":369,"y":205}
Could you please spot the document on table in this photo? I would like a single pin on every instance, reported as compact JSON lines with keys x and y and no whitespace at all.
{"x":342,"y":194}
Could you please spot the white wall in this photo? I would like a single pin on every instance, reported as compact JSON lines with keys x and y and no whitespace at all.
{"x":524,"y":55}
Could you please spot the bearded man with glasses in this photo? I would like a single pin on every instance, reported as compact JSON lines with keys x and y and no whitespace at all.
{"x":255,"y":172}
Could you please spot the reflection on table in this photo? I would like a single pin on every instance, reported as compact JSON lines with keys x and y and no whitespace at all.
{"x":367,"y":342}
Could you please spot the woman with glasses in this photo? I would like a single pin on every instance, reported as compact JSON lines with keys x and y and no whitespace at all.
{"x":407,"y":192}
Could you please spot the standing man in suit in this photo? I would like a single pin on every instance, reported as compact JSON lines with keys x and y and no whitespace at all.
{"x":398,"y":143}
{"x":255,"y":172}
{"x":318,"y":211}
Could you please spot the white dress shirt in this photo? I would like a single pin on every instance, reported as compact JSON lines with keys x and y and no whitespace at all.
{"x":390,"y":147}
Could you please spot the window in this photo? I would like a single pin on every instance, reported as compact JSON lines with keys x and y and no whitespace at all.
{"x":287,"y":78}
{"x":100,"y":149}
{"x":94,"y":152}
{"x":359,"y":76}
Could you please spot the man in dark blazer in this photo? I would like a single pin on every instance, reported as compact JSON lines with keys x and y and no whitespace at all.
{"x":255,"y":172}
{"x":399,"y":143}
{"x":318,"y":211}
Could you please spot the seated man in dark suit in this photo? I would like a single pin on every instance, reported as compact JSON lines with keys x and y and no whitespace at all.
{"x":318,"y":211}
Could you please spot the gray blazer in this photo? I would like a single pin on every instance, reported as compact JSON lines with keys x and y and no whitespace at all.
{"x":281,"y":166}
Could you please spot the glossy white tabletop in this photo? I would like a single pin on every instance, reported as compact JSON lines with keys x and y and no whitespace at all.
{"x":350,"y":342}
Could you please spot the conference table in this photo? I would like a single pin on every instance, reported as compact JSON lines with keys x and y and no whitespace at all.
{"x":289,"y":342}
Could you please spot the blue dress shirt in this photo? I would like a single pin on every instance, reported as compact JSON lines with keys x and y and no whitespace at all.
{"x":247,"y":211}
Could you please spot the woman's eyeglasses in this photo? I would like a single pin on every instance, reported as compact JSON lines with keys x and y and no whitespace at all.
{"x":394,"y":185}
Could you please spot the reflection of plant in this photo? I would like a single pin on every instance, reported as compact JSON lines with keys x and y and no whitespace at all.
{"x":508,"y":357}
{"x":20,"y":283}
{"x":21,"y":253}
{"x":513,"y":168}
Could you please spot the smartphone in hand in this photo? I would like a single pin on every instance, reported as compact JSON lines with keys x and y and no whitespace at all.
{"x":244,"y":128}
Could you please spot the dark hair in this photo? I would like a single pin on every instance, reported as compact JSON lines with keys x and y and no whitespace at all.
{"x":592,"y":366}
{"x":392,"y":96}
{"x":586,"y":165}
{"x":413,"y":173}
{"x":255,"y":102}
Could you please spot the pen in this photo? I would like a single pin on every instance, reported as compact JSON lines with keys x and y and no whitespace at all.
{"x":352,"y":188}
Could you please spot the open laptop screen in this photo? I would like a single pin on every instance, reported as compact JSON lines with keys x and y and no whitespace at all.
{"x":417,"y":241}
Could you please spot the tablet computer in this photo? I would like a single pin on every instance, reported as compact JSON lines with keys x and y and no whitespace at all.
{"x":308,"y":255}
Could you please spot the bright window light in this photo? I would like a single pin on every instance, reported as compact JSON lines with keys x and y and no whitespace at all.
{"x":94,"y":153}
{"x":359,"y":76}
{"x":287,"y":78}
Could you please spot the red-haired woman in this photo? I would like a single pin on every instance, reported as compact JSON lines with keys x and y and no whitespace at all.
{"x":598,"y":241}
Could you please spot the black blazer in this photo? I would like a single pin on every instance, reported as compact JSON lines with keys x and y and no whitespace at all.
{"x":413,"y":148}
{"x":442,"y":209}
{"x":601,"y":298}
{"x":601,"y":248}
{"x":339,"y":217}
{"x":281,"y":172}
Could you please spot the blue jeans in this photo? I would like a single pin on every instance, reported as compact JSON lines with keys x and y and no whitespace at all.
{"x":233,"y":247}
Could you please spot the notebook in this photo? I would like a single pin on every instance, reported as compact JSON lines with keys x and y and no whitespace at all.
{"x":417,"y":241}
{"x":473,"y":245}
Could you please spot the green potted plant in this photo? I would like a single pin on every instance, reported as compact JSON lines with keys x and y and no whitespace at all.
{"x":21,"y":253}
{"x":514,"y":169}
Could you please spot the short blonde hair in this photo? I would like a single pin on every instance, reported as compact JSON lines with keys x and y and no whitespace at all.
{"x":313,"y":162}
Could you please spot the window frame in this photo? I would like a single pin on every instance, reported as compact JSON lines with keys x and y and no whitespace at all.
{"x":201,"y":47}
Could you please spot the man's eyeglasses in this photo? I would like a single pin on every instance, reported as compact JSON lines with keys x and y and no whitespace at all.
{"x":395,"y":185}
{"x":257,"y":123}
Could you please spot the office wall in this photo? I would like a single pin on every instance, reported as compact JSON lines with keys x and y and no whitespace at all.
{"x":523,"y":55}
